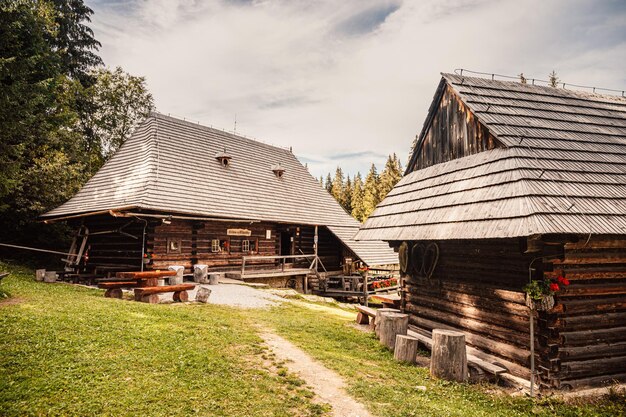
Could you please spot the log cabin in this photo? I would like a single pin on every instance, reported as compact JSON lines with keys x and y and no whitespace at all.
{"x":508,"y":183}
{"x":179,"y":193}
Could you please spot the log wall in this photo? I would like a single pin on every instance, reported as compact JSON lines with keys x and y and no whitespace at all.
{"x":454,"y":132}
{"x":477,"y":288}
{"x":586,"y":337}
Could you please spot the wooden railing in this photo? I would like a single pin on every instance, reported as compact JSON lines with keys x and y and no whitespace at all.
{"x":281,"y":258}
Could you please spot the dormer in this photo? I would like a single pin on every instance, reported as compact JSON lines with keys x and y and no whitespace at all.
{"x":278,"y":170}
{"x":223,"y":158}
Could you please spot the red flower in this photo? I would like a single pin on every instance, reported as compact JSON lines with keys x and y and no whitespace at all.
{"x":565,"y":281}
{"x":554,"y":287}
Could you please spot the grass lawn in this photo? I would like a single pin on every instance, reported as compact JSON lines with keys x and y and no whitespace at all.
{"x":67,"y":350}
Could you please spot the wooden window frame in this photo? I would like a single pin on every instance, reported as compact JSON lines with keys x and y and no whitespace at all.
{"x":174,"y":245}
{"x":254,"y":241}
{"x":223,"y":248}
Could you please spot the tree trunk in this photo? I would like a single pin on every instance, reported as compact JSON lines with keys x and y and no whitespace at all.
{"x":200,"y":273}
{"x":379,"y":312}
{"x":406,"y":349}
{"x":39,"y":274}
{"x":391,"y":325}
{"x":448,"y":358}
{"x":181,"y":296}
{"x":150,"y":298}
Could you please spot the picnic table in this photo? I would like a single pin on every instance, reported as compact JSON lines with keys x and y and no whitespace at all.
{"x":145,"y":284}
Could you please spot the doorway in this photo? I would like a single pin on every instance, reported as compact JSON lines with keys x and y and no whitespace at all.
{"x":286,"y":245}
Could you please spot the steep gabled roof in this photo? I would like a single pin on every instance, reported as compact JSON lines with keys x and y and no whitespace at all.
{"x":170,"y":165}
{"x":562,"y":170}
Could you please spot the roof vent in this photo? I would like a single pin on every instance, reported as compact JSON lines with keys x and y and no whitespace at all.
{"x":278,"y":170}
{"x":223,"y":157}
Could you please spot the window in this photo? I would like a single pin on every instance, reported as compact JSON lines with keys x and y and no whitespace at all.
{"x":173,"y":245}
{"x":249,"y":246}
{"x":220,"y":245}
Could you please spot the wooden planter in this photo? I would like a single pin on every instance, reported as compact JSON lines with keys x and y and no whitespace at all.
{"x":544,"y":304}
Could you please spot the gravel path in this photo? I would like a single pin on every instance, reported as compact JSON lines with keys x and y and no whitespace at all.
{"x":327,"y":384}
{"x":233,"y":295}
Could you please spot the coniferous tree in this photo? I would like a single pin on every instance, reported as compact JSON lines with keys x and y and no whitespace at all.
{"x":336,"y":188}
{"x":390,"y":176}
{"x":357,"y":198}
{"x":553,"y":79}
{"x":329,"y":183}
{"x":371,"y":196}
{"x":322,"y":180}
{"x":347,"y":195}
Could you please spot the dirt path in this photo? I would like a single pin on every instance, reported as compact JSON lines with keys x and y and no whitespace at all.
{"x":327,"y":384}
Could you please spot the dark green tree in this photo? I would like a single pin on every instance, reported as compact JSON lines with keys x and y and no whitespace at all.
{"x":357,"y":198}
{"x":336,"y":187}
{"x":371,"y":195}
{"x":390,"y":176}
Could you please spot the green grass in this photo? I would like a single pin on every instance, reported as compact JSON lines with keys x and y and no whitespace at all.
{"x":389,"y":387}
{"x":67,"y":350}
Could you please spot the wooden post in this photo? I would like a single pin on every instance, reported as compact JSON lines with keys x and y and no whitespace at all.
{"x":50,"y":276}
{"x":379,"y":313}
{"x":214,"y":278}
{"x":178,"y":278}
{"x":366,"y":293}
{"x":39,"y":274}
{"x":406,"y":349}
{"x":448,"y":359}
{"x":243,"y":266}
{"x":181,"y":296}
{"x":391,"y":325}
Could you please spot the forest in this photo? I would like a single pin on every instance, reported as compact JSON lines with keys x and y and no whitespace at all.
{"x":358,"y":197}
{"x":63,"y":113}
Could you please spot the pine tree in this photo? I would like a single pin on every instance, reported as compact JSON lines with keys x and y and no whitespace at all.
{"x":347,"y":195}
{"x":329,"y":183}
{"x":322,"y":180}
{"x":336,"y":188}
{"x":390,"y":176}
{"x":553,"y":79}
{"x":357,"y":198}
{"x":371,"y":196}
{"x":522,"y":78}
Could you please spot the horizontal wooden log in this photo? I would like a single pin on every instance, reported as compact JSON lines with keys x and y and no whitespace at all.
{"x":470,"y":300}
{"x":506,"y":350}
{"x":479,"y":290}
{"x":575,"y":290}
{"x":572,"y":306}
{"x":596,"y":336}
{"x":592,"y":367}
{"x":485,"y":313}
{"x":140,"y":292}
{"x":480,"y":327}
{"x":589,"y":321}
{"x":602,"y":380}
{"x":145,"y":274}
{"x":118,"y":284}
{"x":591,"y":351}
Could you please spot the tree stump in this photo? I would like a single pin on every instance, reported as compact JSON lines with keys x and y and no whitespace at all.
{"x":379,"y":312}
{"x":178,"y":278}
{"x":50,"y":276}
{"x":200,"y":273}
{"x":391,"y":325}
{"x":202,"y":295}
{"x":181,"y":296}
{"x":448,"y":358}
{"x":113,"y":293}
{"x":214,"y":279}
{"x":39,"y":274}
{"x":406,"y":349}
{"x":362,"y":318}
{"x":150,"y":299}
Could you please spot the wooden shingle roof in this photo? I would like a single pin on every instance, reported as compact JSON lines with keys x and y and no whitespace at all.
{"x":169,"y":165}
{"x":561,"y":169}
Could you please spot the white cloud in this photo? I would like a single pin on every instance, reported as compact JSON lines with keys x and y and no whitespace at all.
{"x":351,"y":77}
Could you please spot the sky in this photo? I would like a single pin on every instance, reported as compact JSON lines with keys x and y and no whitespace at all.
{"x":346,"y":83}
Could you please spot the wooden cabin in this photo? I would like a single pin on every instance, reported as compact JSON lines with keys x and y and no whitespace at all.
{"x":178,"y":193}
{"x":507,"y":183}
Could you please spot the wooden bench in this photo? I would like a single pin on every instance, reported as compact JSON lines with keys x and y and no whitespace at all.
{"x":363,"y":317}
{"x":150,"y":294}
{"x":4,"y":275}
{"x":114,"y":288}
